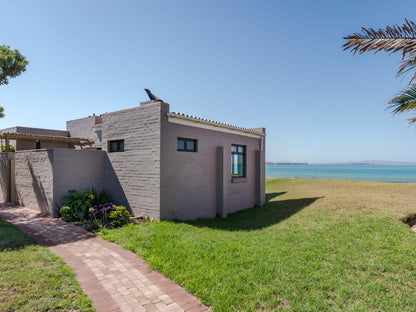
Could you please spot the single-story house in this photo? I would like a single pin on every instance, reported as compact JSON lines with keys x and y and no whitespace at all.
{"x":157,"y":163}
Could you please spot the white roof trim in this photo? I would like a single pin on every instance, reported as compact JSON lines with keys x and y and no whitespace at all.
{"x":191,"y":121}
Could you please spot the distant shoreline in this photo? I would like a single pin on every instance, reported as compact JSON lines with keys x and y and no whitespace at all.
{"x":397,"y":173}
{"x":338,"y":179}
{"x":365,"y":163}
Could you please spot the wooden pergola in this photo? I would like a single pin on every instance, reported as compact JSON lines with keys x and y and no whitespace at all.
{"x":7,"y":136}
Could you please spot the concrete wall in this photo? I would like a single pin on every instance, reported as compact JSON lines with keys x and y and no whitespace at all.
{"x":190,"y":183}
{"x":44,"y":176}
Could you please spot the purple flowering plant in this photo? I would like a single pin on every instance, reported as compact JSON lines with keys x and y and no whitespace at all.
{"x":101,"y":212}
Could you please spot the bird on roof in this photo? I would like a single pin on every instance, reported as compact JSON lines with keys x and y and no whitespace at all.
{"x":152,"y":97}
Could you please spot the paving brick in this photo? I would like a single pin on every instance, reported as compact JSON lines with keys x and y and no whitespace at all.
{"x":115,"y":279}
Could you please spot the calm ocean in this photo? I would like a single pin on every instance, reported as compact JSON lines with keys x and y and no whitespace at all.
{"x":387,"y":173}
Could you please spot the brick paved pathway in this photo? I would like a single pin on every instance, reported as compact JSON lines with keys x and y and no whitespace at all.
{"x":115,"y":279}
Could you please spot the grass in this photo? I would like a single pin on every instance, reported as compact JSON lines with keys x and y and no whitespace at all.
{"x":33,"y":279}
{"x":318,"y":245}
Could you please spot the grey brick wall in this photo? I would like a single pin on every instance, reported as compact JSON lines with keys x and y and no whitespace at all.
{"x":78,"y":170}
{"x":34,"y":179}
{"x":86,"y":128}
{"x":152,"y":179}
{"x":135,"y":173}
{"x":189,"y":180}
{"x":44,"y":176}
{"x":4,"y":177}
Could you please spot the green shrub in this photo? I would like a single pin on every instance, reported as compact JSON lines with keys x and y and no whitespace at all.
{"x":119,"y":217}
{"x":76,"y":204}
{"x":102,"y":198}
{"x":11,"y":148}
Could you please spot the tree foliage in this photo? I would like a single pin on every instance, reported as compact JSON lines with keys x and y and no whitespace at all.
{"x":396,"y":38}
{"x":12,"y":64}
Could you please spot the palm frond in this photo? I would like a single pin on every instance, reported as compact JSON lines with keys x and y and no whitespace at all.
{"x":392,"y":39}
{"x":1,"y":112}
{"x":405,"y":101}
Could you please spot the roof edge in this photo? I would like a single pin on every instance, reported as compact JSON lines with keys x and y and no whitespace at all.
{"x":253,"y":131}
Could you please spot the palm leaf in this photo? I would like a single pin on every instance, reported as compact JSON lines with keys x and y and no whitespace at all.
{"x":405,"y":101}
{"x":391,"y":39}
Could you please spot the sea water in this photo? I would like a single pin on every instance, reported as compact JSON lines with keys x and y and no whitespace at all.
{"x":369,"y":172}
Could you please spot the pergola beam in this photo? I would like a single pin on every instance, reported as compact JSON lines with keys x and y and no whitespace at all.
{"x":44,"y":138}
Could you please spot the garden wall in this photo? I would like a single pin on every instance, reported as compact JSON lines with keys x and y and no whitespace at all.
{"x":4,"y":177}
{"x":44,"y":176}
{"x":34,"y":179}
{"x":78,"y":170}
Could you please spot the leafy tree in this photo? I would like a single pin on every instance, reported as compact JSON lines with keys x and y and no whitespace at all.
{"x":12,"y":64}
{"x":396,"y":38}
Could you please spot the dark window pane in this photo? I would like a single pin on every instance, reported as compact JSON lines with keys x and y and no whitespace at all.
{"x":186,"y":145}
{"x":181,"y":145}
{"x":116,"y":146}
{"x":190,"y":145}
{"x":113,"y":146}
{"x":238,"y":161}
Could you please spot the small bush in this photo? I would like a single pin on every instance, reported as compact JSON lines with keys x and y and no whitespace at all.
{"x":119,"y":217}
{"x":11,"y":148}
{"x":100,"y":212}
{"x":76,"y":204}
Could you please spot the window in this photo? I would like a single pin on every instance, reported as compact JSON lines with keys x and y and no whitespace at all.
{"x":116,"y":146}
{"x":238,"y":161}
{"x":186,"y":145}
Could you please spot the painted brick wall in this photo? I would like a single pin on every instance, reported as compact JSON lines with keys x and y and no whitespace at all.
{"x":85,"y":128}
{"x":189,"y":180}
{"x":75,"y":169}
{"x":4,"y":177}
{"x":44,"y":176}
{"x":152,"y":179}
{"x":34,"y":179}
{"x":134,"y":175}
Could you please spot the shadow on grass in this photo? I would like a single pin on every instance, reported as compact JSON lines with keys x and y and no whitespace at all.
{"x":257,"y":218}
{"x":270,"y":196}
{"x":11,"y":238}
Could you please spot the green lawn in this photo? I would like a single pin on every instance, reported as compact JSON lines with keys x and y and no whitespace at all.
{"x":33,"y":279}
{"x":318,"y":245}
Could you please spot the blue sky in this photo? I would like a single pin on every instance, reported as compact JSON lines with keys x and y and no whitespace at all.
{"x":277,"y":64}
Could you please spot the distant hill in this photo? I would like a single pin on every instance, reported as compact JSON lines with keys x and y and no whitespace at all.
{"x":387,"y":162}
